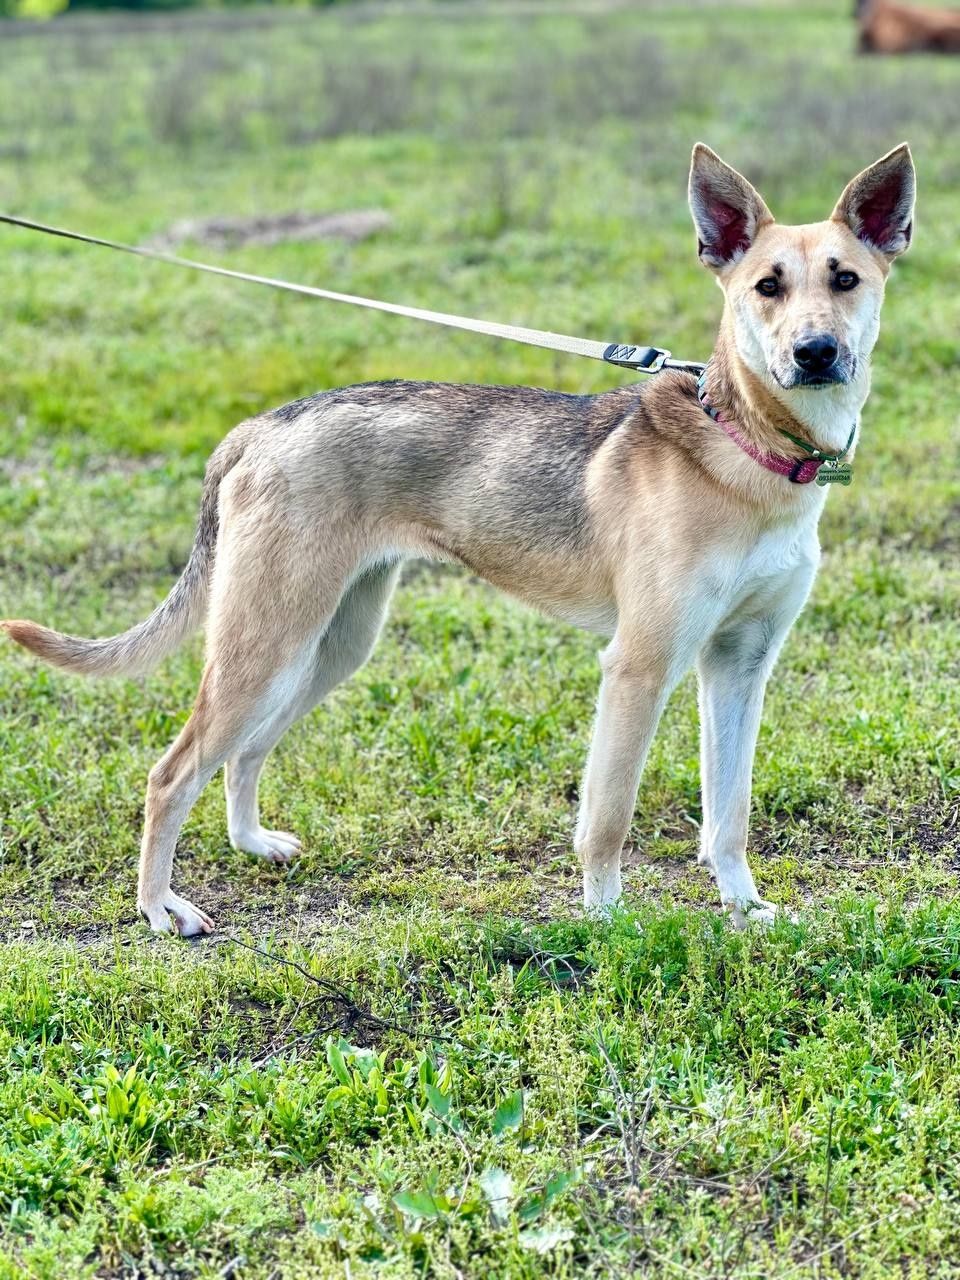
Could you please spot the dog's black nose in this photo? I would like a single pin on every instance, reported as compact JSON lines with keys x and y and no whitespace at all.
{"x":816,"y":353}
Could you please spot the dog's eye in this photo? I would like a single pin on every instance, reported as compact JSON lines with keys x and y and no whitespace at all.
{"x":769,"y":286}
{"x":846,"y":280}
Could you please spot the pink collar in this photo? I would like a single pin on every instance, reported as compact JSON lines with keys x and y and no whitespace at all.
{"x":796,"y":470}
{"x":800,"y":471}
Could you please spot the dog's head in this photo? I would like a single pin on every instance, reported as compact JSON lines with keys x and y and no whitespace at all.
{"x":805,"y":300}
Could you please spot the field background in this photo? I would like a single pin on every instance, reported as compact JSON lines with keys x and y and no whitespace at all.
{"x":518,"y":1093}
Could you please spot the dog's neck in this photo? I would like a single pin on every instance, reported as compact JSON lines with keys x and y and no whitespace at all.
{"x":763,"y":410}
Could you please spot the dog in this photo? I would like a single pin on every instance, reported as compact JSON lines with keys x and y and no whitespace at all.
{"x":676,"y":518}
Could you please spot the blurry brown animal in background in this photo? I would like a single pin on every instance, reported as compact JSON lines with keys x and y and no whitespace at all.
{"x":888,"y":27}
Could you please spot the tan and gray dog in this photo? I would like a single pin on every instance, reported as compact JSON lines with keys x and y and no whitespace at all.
{"x":676,"y":519}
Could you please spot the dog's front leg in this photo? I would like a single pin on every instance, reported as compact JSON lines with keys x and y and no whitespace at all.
{"x":733,"y":669}
{"x":633,"y":692}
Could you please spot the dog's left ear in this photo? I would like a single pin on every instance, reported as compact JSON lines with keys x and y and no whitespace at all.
{"x":727,"y":211}
{"x":877,"y":205}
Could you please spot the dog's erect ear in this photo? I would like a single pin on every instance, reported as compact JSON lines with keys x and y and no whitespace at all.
{"x":877,"y":205}
{"x":727,"y":211}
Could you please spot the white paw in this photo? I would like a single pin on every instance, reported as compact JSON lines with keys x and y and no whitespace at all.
{"x":275,"y":846}
{"x":173,"y":912}
{"x":601,"y":895}
{"x":762,"y":913}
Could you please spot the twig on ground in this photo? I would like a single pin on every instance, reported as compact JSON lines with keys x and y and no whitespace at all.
{"x":350,"y":1011}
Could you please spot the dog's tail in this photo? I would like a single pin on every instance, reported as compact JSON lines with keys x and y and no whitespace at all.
{"x":144,"y":645}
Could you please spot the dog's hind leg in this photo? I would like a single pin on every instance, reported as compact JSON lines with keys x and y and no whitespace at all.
{"x":238,"y":685}
{"x":276,"y":585}
{"x":342,"y":648}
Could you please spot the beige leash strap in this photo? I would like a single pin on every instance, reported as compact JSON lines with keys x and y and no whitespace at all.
{"x":625,"y":355}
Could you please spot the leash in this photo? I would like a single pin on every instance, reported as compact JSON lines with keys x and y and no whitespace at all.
{"x":624,"y":355}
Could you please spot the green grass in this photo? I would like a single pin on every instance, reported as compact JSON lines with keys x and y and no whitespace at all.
{"x":463,"y":1078}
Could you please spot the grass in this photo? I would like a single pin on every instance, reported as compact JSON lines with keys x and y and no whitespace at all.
{"x":429,"y":1064}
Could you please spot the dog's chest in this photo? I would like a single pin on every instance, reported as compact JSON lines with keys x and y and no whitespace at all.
{"x":730,"y":581}
{"x":753,"y":578}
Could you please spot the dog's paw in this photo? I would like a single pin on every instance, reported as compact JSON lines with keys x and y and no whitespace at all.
{"x":743,"y":914}
{"x":275,"y":846}
{"x":175,"y":914}
{"x":601,"y":897}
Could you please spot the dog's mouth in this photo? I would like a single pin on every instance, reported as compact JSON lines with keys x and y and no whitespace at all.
{"x":830,"y":378}
{"x":837,"y":375}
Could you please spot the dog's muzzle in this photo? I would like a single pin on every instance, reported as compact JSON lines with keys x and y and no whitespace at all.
{"x":819,"y":362}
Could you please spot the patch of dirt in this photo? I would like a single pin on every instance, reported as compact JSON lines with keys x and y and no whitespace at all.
{"x":350,"y":225}
{"x":934,"y":831}
{"x":250,"y":900}
{"x":680,"y":878}
{"x":261,"y":908}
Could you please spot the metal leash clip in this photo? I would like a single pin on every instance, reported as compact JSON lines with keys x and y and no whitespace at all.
{"x":648,"y":359}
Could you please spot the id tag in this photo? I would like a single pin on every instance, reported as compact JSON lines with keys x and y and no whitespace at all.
{"x":835,"y":473}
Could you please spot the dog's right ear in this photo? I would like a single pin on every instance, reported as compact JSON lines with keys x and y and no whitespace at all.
{"x":727,"y":211}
